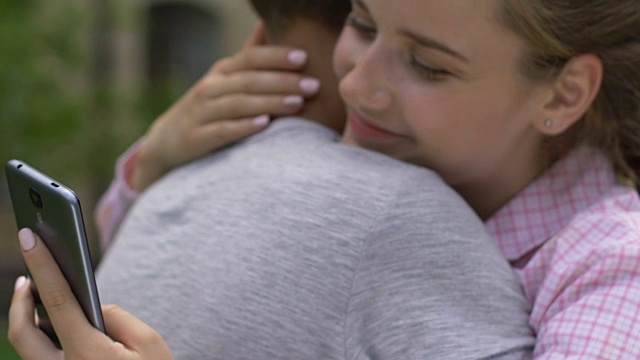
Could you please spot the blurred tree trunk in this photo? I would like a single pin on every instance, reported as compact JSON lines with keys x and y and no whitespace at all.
{"x":101,"y":113}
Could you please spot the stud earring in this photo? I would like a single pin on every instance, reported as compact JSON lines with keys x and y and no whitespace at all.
{"x":548,"y":123}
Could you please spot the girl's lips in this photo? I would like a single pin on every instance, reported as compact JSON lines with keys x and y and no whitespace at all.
{"x":366,"y":130}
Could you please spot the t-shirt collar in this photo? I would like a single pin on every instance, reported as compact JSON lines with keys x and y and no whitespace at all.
{"x":551,"y":201}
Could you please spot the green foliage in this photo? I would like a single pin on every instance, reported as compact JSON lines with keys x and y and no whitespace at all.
{"x":6,"y":351}
{"x":41,"y":107}
{"x":156,"y":99}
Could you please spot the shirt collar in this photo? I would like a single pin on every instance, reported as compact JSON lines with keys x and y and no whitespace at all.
{"x":549,"y":203}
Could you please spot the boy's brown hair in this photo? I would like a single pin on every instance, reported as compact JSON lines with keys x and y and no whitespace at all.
{"x":278,"y":14}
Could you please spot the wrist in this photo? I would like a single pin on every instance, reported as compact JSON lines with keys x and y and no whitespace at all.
{"x":145,"y":168}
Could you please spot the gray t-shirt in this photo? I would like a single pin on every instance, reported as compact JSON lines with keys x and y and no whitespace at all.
{"x":290,"y":245}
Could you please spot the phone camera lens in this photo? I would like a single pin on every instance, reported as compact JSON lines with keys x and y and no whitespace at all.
{"x":35,"y":198}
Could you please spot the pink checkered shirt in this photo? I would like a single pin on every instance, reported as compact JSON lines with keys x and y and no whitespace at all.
{"x":573,"y":237}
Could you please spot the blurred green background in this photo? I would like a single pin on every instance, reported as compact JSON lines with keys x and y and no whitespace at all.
{"x":80,"y":80}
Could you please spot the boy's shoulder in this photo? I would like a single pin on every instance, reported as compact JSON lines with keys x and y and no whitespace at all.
{"x":317,"y":145}
{"x":296,"y":160}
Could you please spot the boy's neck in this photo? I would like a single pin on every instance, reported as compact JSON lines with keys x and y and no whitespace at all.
{"x":326,"y":107}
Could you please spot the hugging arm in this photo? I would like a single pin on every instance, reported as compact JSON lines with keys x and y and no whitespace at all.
{"x":234,"y":100}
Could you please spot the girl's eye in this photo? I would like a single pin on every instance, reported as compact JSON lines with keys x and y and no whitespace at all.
{"x":428,"y":72}
{"x":364,"y":30}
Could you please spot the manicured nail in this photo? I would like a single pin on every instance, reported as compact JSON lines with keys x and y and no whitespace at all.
{"x":261,"y":120}
{"x":297,"y":57}
{"x":27,"y":240}
{"x":20,"y":282}
{"x":293,"y":100}
{"x":310,"y":85}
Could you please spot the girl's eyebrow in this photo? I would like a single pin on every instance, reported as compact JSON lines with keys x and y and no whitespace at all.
{"x":421,"y":40}
{"x":359,"y":3}
{"x":432,"y":44}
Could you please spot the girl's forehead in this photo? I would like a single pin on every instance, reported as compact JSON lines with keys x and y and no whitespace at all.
{"x":456,"y":10}
{"x":471,"y":27}
{"x":453,"y":20}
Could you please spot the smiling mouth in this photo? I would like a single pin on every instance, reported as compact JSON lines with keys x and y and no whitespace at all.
{"x":366,"y":130}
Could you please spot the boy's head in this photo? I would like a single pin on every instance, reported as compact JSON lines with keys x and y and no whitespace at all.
{"x":299,"y":23}
{"x":279,"y":15}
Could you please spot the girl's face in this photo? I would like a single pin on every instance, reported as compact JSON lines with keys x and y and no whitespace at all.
{"x":438,"y":83}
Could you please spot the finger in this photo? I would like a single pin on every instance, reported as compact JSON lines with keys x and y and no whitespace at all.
{"x":264,"y":57}
{"x":258,"y":37}
{"x":27,"y":339}
{"x":222,"y":133}
{"x":65,"y":313}
{"x":243,"y":106}
{"x":133,"y":333}
{"x":259,"y":82}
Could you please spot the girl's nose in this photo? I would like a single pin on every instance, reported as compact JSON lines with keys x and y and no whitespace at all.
{"x":366,"y":85}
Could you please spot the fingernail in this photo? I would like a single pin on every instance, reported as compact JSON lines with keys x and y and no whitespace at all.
{"x":27,"y":240}
{"x":293,"y":100}
{"x":297,"y":57}
{"x":261,"y":120}
{"x":20,"y":282}
{"x":310,"y":85}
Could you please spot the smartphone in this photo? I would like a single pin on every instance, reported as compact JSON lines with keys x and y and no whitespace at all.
{"x":53,"y":211}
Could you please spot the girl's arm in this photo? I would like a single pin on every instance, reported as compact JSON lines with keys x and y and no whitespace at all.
{"x":229,"y":103}
{"x":119,"y":197}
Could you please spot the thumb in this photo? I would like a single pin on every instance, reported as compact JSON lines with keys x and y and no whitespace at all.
{"x":131,"y":332}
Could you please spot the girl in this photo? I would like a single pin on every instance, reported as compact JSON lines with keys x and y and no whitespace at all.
{"x":531,"y":111}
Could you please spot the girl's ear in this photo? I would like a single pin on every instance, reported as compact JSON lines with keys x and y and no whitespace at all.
{"x":572,"y":94}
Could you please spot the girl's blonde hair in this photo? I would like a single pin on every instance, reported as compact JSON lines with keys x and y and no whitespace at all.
{"x":556,"y":31}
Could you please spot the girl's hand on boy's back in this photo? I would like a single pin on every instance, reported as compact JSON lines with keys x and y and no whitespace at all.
{"x":234,"y":100}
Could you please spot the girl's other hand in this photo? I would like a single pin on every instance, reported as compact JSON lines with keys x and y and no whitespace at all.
{"x":130,"y":338}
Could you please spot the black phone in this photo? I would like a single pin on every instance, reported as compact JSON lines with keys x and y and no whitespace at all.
{"x":53,"y":211}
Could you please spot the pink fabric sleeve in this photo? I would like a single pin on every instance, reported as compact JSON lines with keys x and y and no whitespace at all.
{"x":118,"y":199}
{"x":588,"y":306}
